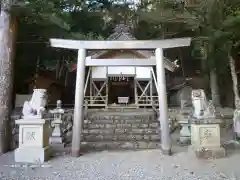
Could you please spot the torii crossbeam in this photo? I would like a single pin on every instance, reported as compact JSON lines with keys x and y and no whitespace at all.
{"x":82,"y":46}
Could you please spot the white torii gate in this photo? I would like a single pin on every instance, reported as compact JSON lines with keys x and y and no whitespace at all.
{"x":82,"y":46}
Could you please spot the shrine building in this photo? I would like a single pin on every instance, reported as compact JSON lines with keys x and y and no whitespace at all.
{"x":134,"y":86}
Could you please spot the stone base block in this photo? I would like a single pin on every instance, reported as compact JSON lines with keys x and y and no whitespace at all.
{"x":185,"y":134}
{"x":58,"y":147}
{"x":32,"y":154}
{"x":55,"y":140}
{"x":217,"y":152}
{"x":184,"y":141}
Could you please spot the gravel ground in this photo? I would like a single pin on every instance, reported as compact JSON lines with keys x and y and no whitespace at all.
{"x":125,"y":165}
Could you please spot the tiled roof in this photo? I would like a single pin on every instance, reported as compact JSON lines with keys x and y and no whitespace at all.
{"x":122,"y":33}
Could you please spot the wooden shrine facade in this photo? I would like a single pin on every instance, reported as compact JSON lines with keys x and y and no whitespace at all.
{"x":104,"y":85}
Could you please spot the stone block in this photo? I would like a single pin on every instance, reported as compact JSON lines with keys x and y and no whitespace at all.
{"x":127,"y":145}
{"x":109,"y":137}
{"x":95,"y":126}
{"x":110,"y":125}
{"x":135,"y":125}
{"x":107,"y":131}
{"x":150,"y":131}
{"x":146,"y":137}
{"x":210,"y":153}
{"x":57,"y":147}
{"x":205,"y":140}
{"x":32,"y":155}
{"x":122,"y":137}
{"x":94,"y":131}
{"x":154,"y":125}
{"x":56,"y":140}
{"x":140,"y":131}
{"x":142,"y":145}
{"x":143,"y":125}
{"x":205,"y":135}
{"x":185,"y":134}
{"x":155,"y":137}
{"x":129,"y":121}
{"x":112,"y":145}
{"x":33,"y":141}
{"x":138,"y":137}
{"x":153,"y":145}
{"x":119,"y":131}
{"x":137,"y":120}
{"x":123,"y":125}
{"x":119,"y":121}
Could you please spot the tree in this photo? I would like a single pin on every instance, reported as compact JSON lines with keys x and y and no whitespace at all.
{"x":217,"y":31}
{"x":159,"y":19}
{"x":6,"y":72}
{"x":231,"y":35}
{"x":31,"y":12}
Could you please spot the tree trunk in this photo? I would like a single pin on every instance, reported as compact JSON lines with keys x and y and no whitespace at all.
{"x":214,"y":88}
{"x":6,"y":74}
{"x":235,"y":81}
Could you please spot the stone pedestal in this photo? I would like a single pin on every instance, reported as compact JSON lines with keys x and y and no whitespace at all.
{"x":183,"y":120}
{"x":185,"y":134}
{"x":33,"y":141}
{"x":56,"y":140}
{"x":205,"y":138}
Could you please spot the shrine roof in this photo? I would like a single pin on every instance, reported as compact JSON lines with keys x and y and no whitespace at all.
{"x":122,"y":33}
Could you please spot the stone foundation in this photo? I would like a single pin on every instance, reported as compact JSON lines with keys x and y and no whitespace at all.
{"x":217,"y":152}
{"x":32,"y":155}
{"x":205,"y":139}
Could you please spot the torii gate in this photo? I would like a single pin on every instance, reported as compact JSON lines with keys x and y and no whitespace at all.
{"x":83,"y":46}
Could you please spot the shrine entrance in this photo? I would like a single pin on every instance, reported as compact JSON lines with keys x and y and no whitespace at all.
{"x":158,"y":61}
{"x":121,"y":87}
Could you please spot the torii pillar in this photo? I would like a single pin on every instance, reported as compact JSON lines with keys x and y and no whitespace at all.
{"x":82,"y":46}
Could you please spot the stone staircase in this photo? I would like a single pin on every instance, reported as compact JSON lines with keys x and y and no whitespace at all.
{"x":117,"y":129}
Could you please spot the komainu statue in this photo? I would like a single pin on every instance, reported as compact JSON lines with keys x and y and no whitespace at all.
{"x":36,"y":106}
{"x":202,"y":107}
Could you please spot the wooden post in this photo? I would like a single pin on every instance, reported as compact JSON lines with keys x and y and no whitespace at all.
{"x":106,"y":103}
{"x":163,"y":107}
{"x":135,"y":92}
{"x":78,"y":107}
{"x":90,"y":88}
{"x":151,"y":91}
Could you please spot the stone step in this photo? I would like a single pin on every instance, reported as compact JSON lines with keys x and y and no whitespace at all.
{"x":137,"y":129}
{"x":121,"y":137}
{"x":122,"y":131}
{"x":136,"y":114}
{"x":120,"y":121}
{"x":103,"y":124}
{"x":115,"y":145}
{"x":121,"y":116}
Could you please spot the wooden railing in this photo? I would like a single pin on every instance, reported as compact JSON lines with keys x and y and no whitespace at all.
{"x":96,"y":101}
{"x":147,"y":100}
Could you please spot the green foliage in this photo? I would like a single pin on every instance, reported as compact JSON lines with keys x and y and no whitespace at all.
{"x":213,"y":24}
{"x":209,"y":22}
